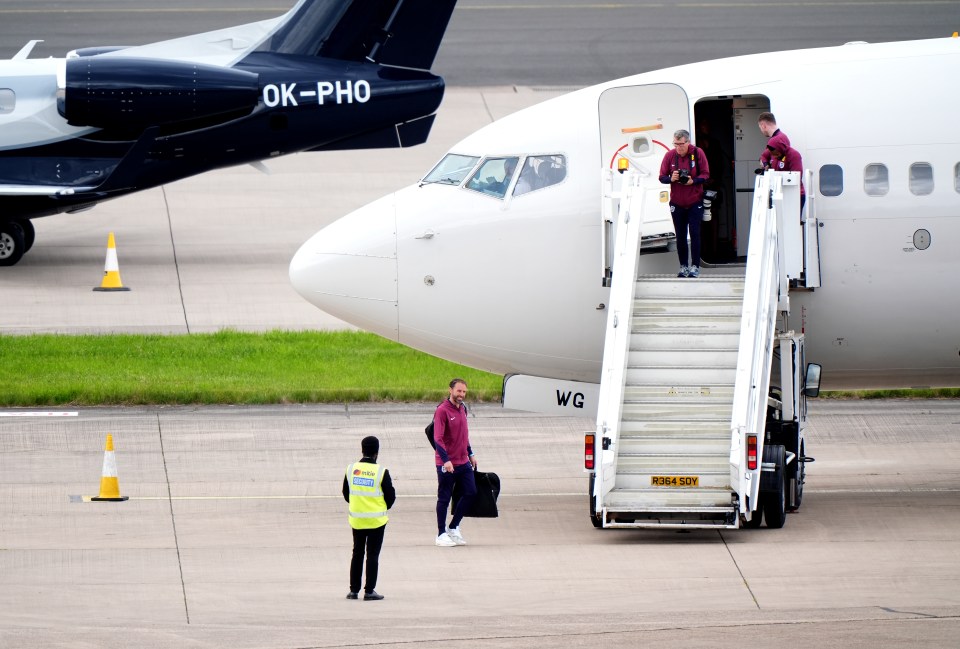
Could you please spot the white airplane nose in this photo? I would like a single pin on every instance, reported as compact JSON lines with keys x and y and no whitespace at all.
{"x":349,"y":269}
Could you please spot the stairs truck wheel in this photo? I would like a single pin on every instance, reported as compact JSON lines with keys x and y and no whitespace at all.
{"x":754,"y":522}
{"x":774,"y":498}
{"x":799,"y":477}
{"x":594,"y":518}
{"x":11,"y":243}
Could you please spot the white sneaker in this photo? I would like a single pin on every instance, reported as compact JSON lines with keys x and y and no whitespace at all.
{"x":454,"y":533}
{"x":444,"y":541}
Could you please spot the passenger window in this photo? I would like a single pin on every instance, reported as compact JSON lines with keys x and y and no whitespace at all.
{"x":921,"y":178}
{"x":539,"y":172}
{"x":8,"y":100}
{"x":956,"y":177}
{"x":451,"y":170}
{"x":494,"y":176}
{"x":876,"y":180}
{"x":831,"y":180}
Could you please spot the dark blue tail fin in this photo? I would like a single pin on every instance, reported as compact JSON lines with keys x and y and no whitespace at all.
{"x":404,"y":33}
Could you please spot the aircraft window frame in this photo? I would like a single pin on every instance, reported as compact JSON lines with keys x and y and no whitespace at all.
{"x":876,"y":179}
{"x":956,"y":177}
{"x":921,"y":184}
{"x":8,"y":100}
{"x":830,"y":180}
{"x":539,"y":172}
{"x":451,"y":170}
{"x":489,"y":185}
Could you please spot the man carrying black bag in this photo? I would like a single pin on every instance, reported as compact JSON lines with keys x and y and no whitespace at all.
{"x":455,"y":463}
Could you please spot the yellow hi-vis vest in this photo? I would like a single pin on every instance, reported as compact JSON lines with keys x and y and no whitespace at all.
{"x":368,"y":509}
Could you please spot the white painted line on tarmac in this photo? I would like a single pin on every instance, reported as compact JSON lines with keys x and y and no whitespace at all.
{"x":39,"y":414}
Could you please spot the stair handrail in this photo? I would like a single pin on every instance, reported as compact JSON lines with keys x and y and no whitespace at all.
{"x":626,"y":252}
{"x":762,"y":286}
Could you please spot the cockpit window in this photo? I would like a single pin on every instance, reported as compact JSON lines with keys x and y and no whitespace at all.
{"x":494,"y":176}
{"x":452,"y":169}
{"x":539,"y":172}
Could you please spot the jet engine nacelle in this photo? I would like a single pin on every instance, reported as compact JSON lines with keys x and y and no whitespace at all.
{"x":118,"y":92}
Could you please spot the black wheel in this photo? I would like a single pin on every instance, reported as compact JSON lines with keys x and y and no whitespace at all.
{"x":11,"y":243}
{"x":593,"y":508}
{"x":29,"y":234}
{"x":754,"y":522}
{"x":774,"y":500}
{"x":799,"y":478}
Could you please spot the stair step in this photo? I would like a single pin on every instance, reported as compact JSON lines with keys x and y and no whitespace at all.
{"x":668,"y":323}
{"x":689,"y":339}
{"x":679,"y":394}
{"x":720,"y":358}
{"x":674,"y":444}
{"x":674,"y":428}
{"x":665,"y":499}
{"x":681,"y":376}
{"x":698,"y":306}
{"x":644,"y":411}
{"x":696,"y":463}
{"x":665,"y":287}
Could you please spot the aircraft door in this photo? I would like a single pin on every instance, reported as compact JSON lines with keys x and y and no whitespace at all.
{"x":636,"y":126}
{"x":637,"y":123}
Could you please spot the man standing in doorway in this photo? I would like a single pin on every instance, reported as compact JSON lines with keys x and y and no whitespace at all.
{"x":685,"y":169}
{"x":455,"y":463}
{"x":369,"y":490}
{"x":768,"y":126}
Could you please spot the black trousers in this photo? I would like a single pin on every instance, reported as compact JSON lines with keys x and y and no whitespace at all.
{"x":369,"y":541}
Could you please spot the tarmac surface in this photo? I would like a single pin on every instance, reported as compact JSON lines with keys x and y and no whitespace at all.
{"x":235,"y":535}
{"x":213,"y":251}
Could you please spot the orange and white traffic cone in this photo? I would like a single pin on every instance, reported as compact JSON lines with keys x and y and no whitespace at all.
{"x":111,"y":270}
{"x":109,"y":483}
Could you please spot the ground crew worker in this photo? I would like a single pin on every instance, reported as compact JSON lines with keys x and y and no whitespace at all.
{"x":369,"y":490}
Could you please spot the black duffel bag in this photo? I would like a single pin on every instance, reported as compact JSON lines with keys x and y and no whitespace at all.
{"x":488,"y":490}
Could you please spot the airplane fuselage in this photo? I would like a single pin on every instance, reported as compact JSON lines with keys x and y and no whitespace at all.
{"x":512,"y":284}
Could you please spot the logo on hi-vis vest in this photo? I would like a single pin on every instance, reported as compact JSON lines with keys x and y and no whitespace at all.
{"x":362,"y":482}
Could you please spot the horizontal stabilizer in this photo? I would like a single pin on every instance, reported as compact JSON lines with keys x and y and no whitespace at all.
{"x":392,"y":137}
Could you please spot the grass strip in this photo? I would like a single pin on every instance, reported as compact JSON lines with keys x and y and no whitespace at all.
{"x":227,"y":367}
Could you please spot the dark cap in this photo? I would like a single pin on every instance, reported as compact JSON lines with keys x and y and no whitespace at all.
{"x":370,"y":446}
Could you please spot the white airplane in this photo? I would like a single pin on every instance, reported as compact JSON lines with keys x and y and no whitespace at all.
{"x":496,"y":258}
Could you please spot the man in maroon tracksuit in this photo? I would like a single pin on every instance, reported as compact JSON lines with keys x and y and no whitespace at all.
{"x":783,"y":157}
{"x":685,"y":169}
{"x":455,"y":463}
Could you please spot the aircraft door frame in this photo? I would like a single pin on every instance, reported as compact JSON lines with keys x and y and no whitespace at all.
{"x":726,"y":129}
{"x":637,"y":124}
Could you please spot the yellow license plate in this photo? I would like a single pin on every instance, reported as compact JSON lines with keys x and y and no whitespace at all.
{"x":674,"y":481}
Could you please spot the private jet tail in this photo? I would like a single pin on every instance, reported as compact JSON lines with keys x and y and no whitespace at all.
{"x":402,"y":33}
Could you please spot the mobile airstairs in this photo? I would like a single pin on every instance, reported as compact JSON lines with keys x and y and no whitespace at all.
{"x":702,"y":402}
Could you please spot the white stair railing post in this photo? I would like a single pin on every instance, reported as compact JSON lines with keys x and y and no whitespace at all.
{"x":617,"y":336}
{"x":762,"y":288}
